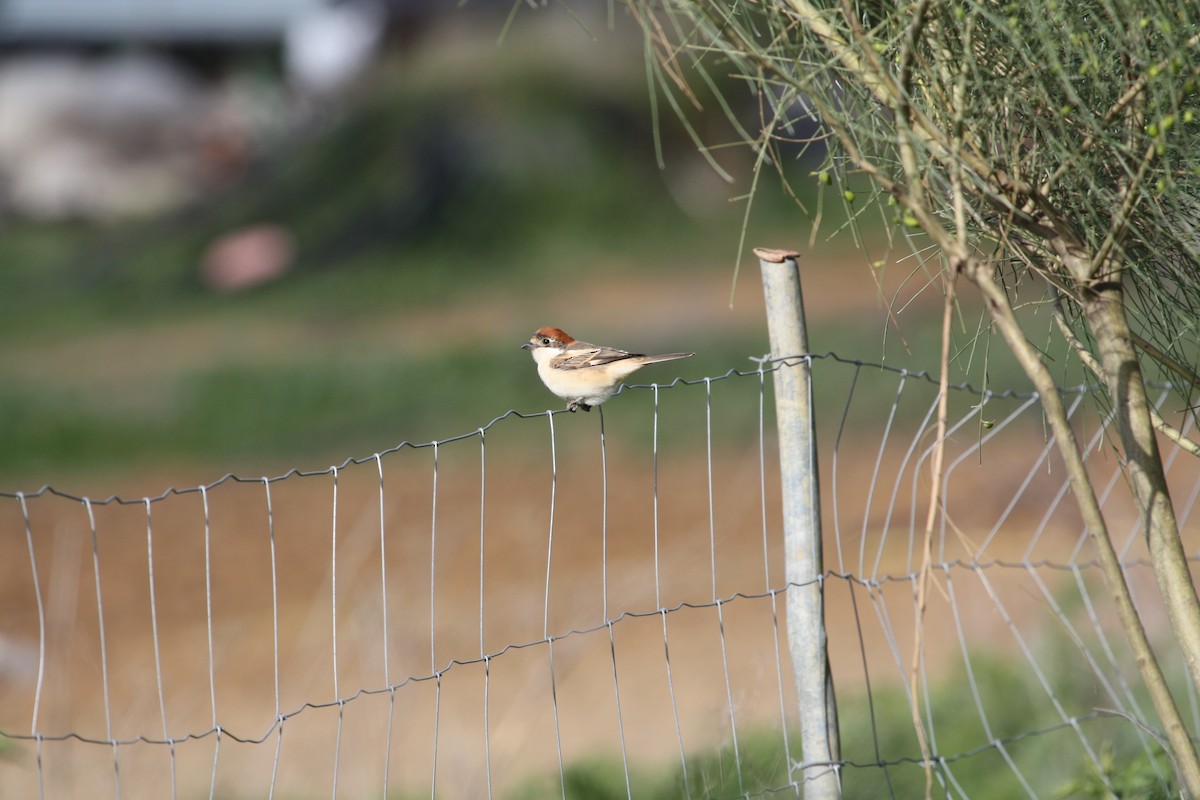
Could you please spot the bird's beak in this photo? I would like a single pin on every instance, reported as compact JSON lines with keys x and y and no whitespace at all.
{"x":527,"y":346}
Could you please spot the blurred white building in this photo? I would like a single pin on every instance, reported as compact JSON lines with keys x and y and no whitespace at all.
{"x":100,"y":118}
{"x":149,"y":20}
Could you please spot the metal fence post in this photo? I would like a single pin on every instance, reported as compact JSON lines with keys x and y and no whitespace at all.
{"x":801,"y":524}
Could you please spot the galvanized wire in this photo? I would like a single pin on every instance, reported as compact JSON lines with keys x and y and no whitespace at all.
{"x":901,"y":424}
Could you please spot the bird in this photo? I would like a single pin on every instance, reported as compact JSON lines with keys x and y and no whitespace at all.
{"x":583,"y":374}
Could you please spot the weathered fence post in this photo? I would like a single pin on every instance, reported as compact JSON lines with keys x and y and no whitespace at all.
{"x":801,"y":524}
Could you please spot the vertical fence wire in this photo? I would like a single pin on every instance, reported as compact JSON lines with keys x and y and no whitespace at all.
{"x":208,"y":621}
{"x":158,"y":671}
{"x":558,"y":746}
{"x":550,"y":527}
{"x":712,"y":555}
{"x":483,"y":653}
{"x":760,"y":420}
{"x":279,"y":718}
{"x":616,"y":684}
{"x":683,"y":766}
{"x":437,"y":718}
{"x":108,"y":727}
{"x":41,"y":614}
{"x":383,"y":604}
{"x":604,"y":617}
{"x":433,"y":667}
{"x":333,"y":598}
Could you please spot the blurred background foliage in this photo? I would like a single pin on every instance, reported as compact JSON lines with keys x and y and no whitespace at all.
{"x":476,"y":181}
{"x":457,"y":170}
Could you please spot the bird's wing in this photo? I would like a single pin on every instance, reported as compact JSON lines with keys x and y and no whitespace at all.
{"x":581,"y":355}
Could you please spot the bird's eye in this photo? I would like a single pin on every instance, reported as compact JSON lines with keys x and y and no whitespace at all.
{"x":545,"y":340}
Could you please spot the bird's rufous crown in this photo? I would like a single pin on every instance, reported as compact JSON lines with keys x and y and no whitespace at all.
{"x":557,"y":334}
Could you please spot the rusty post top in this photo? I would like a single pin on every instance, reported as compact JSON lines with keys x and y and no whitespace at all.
{"x":775,"y":256}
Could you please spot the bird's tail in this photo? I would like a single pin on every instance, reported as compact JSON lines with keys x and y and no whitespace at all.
{"x":663,"y":357}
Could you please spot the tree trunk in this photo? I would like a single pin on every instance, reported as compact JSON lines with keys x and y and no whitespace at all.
{"x":1104,"y":313}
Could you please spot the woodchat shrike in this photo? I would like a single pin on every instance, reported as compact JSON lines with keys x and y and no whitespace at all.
{"x":583,"y":374}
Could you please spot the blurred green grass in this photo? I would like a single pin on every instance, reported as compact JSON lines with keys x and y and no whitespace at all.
{"x":1051,"y":762}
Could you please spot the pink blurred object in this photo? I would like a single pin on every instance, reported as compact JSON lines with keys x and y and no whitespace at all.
{"x":248,"y":257}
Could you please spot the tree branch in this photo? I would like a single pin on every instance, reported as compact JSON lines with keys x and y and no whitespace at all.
{"x":1085,"y":498}
{"x":1089,"y":361}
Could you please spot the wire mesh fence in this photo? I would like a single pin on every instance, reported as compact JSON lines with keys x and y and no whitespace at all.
{"x":567,"y":605}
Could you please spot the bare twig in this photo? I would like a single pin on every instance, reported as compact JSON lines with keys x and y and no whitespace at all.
{"x":936,"y":469}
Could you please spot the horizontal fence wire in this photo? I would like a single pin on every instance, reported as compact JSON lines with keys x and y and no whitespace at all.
{"x":767,"y":365}
{"x":438,"y":620}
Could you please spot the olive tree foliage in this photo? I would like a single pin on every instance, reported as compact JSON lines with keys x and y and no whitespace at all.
{"x":1013,"y":146}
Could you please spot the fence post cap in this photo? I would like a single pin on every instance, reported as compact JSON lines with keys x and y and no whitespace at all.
{"x":775,"y":255}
